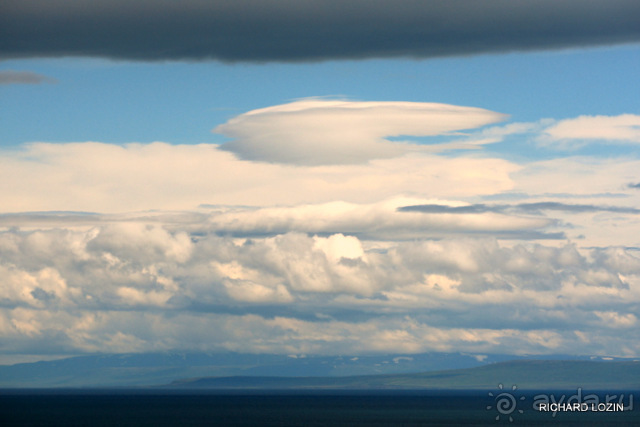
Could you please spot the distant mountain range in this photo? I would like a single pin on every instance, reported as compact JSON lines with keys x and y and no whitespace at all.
{"x":263,"y":371}
{"x":525,"y":374}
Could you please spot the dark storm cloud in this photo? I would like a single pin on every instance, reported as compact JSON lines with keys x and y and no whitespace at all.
{"x":10,"y":77}
{"x":534,"y":208}
{"x":306,"y":30}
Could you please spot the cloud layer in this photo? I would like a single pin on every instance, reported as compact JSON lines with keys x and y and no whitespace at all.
{"x":292,"y":30}
{"x":139,"y":287}
{"x":147,"y":247}
{"x":98,"y":177}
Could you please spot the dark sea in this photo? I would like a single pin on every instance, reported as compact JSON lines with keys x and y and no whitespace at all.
{"x":291,"y":408}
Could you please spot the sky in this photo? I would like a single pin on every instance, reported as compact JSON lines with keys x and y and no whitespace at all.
{"x":319,"y":177}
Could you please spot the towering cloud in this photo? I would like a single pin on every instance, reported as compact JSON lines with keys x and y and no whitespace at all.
{"x":306,"y":30}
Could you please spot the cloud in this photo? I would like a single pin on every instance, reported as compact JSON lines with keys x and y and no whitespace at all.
{"x":149,"y":247}
{"x":105,"y":178}
{"x":389,"y":220}
{"x":291,"y":30}
{"x":576,"y":176}
{"x":587,"y":179}
{"x":10,"y":77}
{"x":317,"y":132}
{"x":520,"y":207}
{"x":132,"y":287}
{"x":612,"y":129}
{"x":384,"y":220}
{"x":492,"y":135}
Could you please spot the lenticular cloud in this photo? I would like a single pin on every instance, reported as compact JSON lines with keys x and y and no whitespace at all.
{"x":324,"y":132}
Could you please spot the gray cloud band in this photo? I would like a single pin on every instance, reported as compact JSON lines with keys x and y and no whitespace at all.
{"x":522,"y":207}
{"x":294,"y":30}
{"x":10,"y":77}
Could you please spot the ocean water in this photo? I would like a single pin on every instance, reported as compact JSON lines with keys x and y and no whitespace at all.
{"x":302,"y":408}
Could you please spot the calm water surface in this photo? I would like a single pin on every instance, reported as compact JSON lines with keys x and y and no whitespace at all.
{"x":388,"y":408}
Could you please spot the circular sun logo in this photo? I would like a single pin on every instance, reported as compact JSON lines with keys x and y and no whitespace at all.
{"x":505,"y":403}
